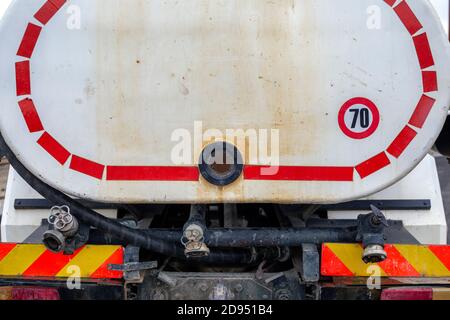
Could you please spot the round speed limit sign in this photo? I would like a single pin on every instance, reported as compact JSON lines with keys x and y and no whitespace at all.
{"x":359,"y":118}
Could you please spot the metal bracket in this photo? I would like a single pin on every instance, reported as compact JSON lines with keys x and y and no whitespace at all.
{"x":359,"y":205}
{"x":132,"y":267}
{"x":310,"y":263}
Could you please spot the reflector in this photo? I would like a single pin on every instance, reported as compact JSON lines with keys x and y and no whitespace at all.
{"x":29,"y":293}
{"x":407,"y":294}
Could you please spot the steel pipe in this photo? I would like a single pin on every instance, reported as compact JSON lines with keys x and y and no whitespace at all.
{"x":267,"y":237}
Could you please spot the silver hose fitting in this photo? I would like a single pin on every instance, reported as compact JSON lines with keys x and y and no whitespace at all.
{"x":194,"y":233}
{"x":193,"y":241}
{"x":64,"y":225}
{"x":374,"y":254}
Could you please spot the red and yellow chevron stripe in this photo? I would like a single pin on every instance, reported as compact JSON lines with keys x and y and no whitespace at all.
{"x":34,"y":260}
{"x":344,"y":260}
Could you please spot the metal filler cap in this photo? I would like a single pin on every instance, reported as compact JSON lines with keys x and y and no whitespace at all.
{"x":221,"y":163}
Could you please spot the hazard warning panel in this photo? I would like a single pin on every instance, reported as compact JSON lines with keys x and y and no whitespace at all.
{"x":35,"y":261}
{"x":409,"y":261}
{"x":322,"y":101}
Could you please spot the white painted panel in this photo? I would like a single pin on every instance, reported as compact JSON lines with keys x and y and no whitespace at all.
{"x":114,"y":91}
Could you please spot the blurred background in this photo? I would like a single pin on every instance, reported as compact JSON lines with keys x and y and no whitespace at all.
{"x":443,"y":10}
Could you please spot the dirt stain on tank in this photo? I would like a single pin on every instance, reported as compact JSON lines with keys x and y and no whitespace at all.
{"x":265,"y":58}
{"x":120,"y":34}
{"x":263,"y":49}
{"x":288,"y":49}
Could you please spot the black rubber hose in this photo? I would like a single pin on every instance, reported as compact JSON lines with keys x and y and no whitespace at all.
{"x":109,"y":226}
{"x":267,"y":237}
{"x":443,"y":142}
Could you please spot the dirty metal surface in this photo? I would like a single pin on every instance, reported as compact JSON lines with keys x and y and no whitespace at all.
{"x":444,"y":178}
{"x":93,"y":105}
{"x":4,"y":169}
{"x":223,"y":286}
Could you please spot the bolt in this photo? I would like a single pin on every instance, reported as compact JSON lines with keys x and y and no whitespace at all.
{"x":203,"y":287}
{"x":238,"y":288}
{"x":159,"y":295}
{"x":283,"y":295}
{"x":376,"y":220}
{"x":177,"y":296}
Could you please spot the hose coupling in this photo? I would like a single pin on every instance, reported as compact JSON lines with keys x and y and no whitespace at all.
{"x":63,"y":225}
{"x":193,"y":242}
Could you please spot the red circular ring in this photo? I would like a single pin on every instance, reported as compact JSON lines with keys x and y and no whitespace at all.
{"x":375,"y":113}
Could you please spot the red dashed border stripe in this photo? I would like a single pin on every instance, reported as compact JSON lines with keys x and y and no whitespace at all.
{"x":373,"y":165}
{"x":408,"y":17}
{"x":152,"y":173}
{"x":30,"y":115}
{"x":29,"y":40}
{"x":402,"y":141}
{"x":48,"y":10}
{"x":429,"y":81}
{"x":422,"y":111}
{"x":87,"y":167}
{"x":161,"y":173}
{"x":390,"y":2}
{"x":423,"y":50}
{"x":23,"y":81}
{"x":54,"y":148}
{"x":299,"y":173}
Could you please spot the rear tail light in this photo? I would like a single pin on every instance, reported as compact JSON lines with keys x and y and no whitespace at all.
{"x":29,"y":293}
{"x":407,"y":294}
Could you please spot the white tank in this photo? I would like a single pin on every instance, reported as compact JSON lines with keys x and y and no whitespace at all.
{"x":114,"y":100}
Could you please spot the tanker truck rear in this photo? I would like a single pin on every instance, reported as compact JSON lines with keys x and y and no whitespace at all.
{"x":223,"y":149}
